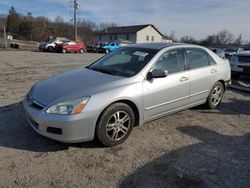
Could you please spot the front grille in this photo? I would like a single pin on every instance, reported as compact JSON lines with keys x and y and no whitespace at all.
{"x":34,"y":104}
{"x":246,"y":70}
{"x":244,"y":59}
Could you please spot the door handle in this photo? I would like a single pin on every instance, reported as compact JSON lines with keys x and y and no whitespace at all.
{"x":213,"y":70}
{"x":184,"y":79}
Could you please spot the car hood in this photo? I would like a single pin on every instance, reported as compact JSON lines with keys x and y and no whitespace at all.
{"x":72,"y":84}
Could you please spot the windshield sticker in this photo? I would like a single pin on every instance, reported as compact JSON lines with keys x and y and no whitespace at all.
{"x":142,"y":54}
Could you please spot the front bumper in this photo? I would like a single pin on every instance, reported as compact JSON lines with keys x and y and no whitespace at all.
{"x":63,"y":128}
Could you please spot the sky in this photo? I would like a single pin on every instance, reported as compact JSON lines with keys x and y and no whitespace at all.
{"x":196,"y":18}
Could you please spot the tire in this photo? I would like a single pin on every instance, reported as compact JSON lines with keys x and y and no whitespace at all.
{"x":215,"y":96}
{"x":81,"y":51}
{"x":64,"y":51}
{"x":50,"y":49}
{"x":115,"y":124}
{"x":107,"y":51}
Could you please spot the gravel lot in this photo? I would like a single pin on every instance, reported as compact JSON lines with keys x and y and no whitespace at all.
{"x":193,"y":148}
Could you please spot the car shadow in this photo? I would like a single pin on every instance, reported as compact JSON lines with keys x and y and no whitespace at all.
{"x":217,"y":160}
{"x":16,"y":133}
{"x":232,"y":106}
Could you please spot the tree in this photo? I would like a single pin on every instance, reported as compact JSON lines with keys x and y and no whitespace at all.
{"x":238,"y":40}
{"x":13,"y":22}
{"x":188,"y":39}
{"x":224,"y":37}
{"x":172,"y":36}
{"x":105,"y":25}
{"x":25,"y":29}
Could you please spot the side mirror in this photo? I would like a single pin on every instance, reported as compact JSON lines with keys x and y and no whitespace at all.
{"x":157,"y":73}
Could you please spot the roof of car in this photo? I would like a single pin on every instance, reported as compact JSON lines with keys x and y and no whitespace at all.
{"x":244,"y":53}
{"x":155,"y":45}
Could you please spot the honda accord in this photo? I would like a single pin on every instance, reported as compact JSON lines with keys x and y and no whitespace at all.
{"x":133,"y":85}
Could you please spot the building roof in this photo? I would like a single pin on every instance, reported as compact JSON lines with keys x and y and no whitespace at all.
{"x":125,"y":29}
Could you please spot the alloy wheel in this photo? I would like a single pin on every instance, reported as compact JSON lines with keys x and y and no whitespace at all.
{"x":118,"y":125}
{"x":216,"y":95}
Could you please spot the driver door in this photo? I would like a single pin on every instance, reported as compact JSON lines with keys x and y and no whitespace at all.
{"x":165,"y":95}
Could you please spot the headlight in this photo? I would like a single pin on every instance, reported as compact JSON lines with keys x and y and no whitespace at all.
{"x":74,"y":106}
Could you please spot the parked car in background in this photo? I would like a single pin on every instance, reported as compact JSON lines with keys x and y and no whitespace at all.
{"x":218,"y":51}
{"x":50,"y":45}
{"x":135,"y":84}
{"x":70,"y":46}
{"x":228,"y":52}
{"x":109,"y":47}
{"x":95,"y":48}
{"x":240,"y":64}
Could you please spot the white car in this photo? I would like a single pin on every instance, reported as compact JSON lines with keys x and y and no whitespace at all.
{"x":240,"y":64}
{"x":50,"y":45}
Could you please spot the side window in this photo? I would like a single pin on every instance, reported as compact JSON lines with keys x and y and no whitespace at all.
{"x":172,"y":61}
{"x":112,"y":44}
{"x":198,"y":58}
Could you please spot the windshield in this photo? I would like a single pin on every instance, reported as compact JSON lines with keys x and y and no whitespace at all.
{"x":125,"y":61}
{"x":51,"y":41}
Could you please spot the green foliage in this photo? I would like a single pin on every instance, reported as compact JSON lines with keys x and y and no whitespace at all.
{"x":13,"y":22}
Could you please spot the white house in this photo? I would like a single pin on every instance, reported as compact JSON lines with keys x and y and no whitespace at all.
{"x":135,"y":34}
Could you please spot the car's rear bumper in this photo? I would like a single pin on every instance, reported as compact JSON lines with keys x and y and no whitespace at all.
{"x":64,"y":128}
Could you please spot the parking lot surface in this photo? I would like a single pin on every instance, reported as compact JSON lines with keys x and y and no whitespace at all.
{"x":193,"y":148}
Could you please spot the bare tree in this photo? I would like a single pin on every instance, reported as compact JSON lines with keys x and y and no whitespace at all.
{"x":188,"y":39}
{"x":224,"y":37}
{"x":172,"y":36}
{"x":238,"y":40}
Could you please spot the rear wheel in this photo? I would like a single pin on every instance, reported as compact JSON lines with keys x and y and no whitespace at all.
{"x":115,"y":124}
{"x":215,"y":96}
{"x":64,"y":51}
{"x":107,"y":51}
{"x":81,"y":51}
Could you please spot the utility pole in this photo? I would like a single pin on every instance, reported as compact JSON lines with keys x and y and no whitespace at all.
{"x":4,"y":37}
{"x":75,"y":6}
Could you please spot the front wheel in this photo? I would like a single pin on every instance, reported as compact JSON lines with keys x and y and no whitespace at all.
{"x":115,"y":124}
{"x":50,"y":49}
{"x":107,"y":51}
{"x":81,"y":51}
{"x":215,"y":96}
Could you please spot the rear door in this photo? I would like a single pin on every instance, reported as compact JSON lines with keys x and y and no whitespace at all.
{"x":203,"y":74}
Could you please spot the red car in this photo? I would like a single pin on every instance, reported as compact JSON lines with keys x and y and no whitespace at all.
{"x":70,"y":46}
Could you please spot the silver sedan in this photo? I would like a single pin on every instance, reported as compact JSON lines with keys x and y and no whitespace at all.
{"x":129,"y":87}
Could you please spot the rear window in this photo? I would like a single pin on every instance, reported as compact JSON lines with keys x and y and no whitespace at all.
{"x":199,"y":58}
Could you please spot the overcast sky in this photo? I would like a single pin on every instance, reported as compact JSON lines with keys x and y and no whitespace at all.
{"x":197,"y":18}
